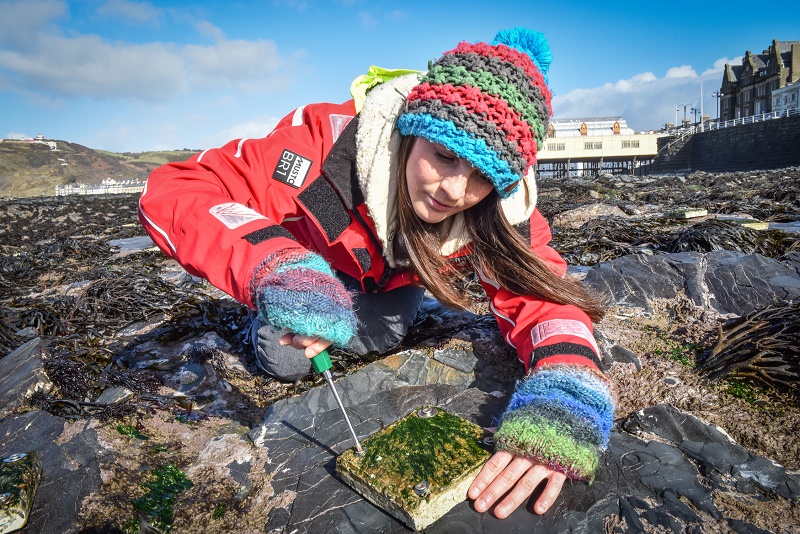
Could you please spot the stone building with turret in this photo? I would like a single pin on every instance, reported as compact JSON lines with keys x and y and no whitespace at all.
{"x":747,"y":88}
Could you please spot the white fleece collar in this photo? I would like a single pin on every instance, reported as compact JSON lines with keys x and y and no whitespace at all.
{"x":377,"y":145}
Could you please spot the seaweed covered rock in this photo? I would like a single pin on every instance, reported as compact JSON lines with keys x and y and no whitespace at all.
{"x":716,"y":234}
{"x":763,"y":346}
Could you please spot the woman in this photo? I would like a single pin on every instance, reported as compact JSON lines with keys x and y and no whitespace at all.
{"x":334,"y":224}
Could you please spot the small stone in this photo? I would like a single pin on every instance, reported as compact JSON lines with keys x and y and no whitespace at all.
{"x":114,"y":395}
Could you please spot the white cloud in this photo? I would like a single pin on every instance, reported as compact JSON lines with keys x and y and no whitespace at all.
{"x":254,"y":128}
{"x":17,"y":135}
{"x":87,"y":65}
{"x":22,"y":21}
{"x":131,"y":12}
{"x":209,"y":30}
{"x":684,"y":71}
{"x":645,"y":101}
{"x":719,"y":65}
{"x":250,"y":66}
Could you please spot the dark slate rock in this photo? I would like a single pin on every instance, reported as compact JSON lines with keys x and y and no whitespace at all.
{"x":463,"y":360}
{"x":644,"y":481}
{"x":70,"y":470}
{"x":714,"y":451}
{"x":727,"y":281}
{"x":22,"y":374}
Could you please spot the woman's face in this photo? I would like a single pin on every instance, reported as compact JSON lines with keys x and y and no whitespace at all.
{"x":441,"y":184}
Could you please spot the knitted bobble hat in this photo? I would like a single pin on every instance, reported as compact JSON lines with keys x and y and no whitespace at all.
{"x":487,"y":103}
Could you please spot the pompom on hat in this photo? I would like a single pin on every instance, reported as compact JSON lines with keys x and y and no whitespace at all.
{"x":487,"y":103}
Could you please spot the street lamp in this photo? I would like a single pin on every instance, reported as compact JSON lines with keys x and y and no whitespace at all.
{"x":684,"y":111}
{"x":717,"y":95}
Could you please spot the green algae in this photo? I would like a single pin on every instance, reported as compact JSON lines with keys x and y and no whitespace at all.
{"x":131,"y":431}
{"x":438,"y":450}
{"x":165,"y":483}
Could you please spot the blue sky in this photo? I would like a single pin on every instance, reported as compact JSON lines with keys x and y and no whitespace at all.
{"x":125,"y":75}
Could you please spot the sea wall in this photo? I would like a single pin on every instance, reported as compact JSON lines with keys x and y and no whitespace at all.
{"x":767,"y":144}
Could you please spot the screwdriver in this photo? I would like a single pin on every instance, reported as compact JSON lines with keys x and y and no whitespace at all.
{"x":322,"y":364}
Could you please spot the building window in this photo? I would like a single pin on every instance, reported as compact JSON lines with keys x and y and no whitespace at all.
{"x":631,"y":143}
{"x":593,"y":146}
{"x":761,"y":90}
{"x":556,"y":146}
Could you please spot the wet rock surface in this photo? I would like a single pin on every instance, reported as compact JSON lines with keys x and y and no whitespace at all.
{"x":121,"y":369}
{"x":729,"y":282}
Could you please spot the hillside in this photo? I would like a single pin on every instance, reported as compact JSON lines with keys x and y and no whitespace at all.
{"x":33,"y":169}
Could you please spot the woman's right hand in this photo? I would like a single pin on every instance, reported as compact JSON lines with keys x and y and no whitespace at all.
{"x":311,"y":346}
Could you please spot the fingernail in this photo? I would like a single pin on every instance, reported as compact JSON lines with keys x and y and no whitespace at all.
{"x":543,"y":506}
{"x":480,"y":503}
{"x":501,"y":510}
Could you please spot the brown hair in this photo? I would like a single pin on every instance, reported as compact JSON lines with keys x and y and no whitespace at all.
{"x":498,"y":250}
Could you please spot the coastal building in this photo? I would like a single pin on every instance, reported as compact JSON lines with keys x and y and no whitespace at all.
{"x":108,"y":186}
{"x":590,"y":146}
{"x":747,"y":88}
{"x":786,"y":99}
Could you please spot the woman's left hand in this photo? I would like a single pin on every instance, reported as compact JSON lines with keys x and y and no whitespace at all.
{"x":311,"y":346}
{"x":505,"y":471}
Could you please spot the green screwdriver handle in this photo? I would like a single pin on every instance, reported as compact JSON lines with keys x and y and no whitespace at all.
{"x":321,"y":362}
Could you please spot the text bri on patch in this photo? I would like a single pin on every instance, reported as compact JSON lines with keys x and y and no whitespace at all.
{"x":292,"y":169}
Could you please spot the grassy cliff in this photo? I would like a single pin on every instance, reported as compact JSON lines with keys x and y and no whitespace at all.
{"x":33,"y":169}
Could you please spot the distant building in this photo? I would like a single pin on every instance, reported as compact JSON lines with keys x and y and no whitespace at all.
{"x":108,"y":186}
{"x":590,"y":146}
{"x":786,"y":99}
{"x":588,"y":126}
{"x":747,"y":88}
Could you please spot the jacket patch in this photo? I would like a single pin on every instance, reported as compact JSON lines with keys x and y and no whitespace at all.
{"x":564,"y":349}
{"x":338,"y":123}
{"x":363,"y":257}
{"x":325,"y":206}
{"x":259,"y":236}
{"x":234,"y":215}
{"x":292,"y":169}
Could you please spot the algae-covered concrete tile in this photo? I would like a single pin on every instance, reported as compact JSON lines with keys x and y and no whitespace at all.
{"x":418,"y":468}
{"x":753,"y":224}
{"x":19,"y":479}
{"x":687,"y":213}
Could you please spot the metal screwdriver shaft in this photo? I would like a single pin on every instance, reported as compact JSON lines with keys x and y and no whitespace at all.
{"x":321,"y":364}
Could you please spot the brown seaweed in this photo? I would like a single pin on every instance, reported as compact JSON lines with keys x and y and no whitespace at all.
{"x":716,"y":234}
{"x":763,"y":346}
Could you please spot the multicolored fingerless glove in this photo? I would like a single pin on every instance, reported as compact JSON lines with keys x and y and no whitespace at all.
{"x":561,"y":416}
{"x":297,"y":290}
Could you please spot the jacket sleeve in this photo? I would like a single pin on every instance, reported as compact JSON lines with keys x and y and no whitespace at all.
{"x":541,"y":331}
{"x":220,"y":213}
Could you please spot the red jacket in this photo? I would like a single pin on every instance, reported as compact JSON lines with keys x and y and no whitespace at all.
{"x":222,"y":212}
